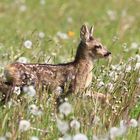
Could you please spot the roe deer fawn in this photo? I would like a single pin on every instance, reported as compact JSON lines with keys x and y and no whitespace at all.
{"x":78,"y":72}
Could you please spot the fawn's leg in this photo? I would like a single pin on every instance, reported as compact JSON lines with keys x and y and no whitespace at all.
{"x":6,"y":91}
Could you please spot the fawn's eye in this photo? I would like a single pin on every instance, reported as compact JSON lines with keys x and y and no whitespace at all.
{"x":98,"y":46}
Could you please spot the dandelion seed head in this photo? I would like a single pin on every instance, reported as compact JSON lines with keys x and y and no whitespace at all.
{"x":69,"y":20}
{"x":24,"y":125}
{"x":94,"y":137}
{"x":137,"y":57}
{"x":29,"y":90}
{"x":63,"y":126}
{"x":53,"y":54}
{"x":42,"y":2}
{"x":67,"y":137}
{"x":75,"y":124}
{"x":33,"y":109}
{"x":128,"y":68}
{"x":80,"y":137}
{"x":65,"y":108}
{"x":114,"y":132}
{"x":23,"y":60}
{"x":96,"y":120}
{"x":112,"y":15}
{"x":133,"y":123}
{"x":23,"y":8}
{"x":28,"y":44}
{"x":34,"y":138}
{"x":2,"y":138}
{"x":8,"y":135}
{"x":122,"y":128}
{"x":138,"y":80}
{"x":115,"y":38}
{"x":60,"y":138}
{"x":137,"y":66}
{"x":62,"y":35}
{"x":41,"y":34}
{"x":134,"y":45}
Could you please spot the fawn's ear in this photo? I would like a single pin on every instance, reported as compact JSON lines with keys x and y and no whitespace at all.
{"x":84,"y":33}
{"x":91,"y":30}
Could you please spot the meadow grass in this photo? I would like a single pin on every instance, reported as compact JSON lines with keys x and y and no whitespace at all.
{"x":53,"y":28}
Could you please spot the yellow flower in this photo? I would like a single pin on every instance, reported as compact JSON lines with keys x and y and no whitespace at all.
{"x":71,"y":33}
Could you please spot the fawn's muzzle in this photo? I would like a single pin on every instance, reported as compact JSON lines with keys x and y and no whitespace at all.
{"x":107,"y":54}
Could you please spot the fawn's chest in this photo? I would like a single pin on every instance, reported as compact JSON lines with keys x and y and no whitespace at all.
{"x":85,"y":74}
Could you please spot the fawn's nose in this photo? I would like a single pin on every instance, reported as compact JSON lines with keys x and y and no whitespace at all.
{"x":107,"y":54}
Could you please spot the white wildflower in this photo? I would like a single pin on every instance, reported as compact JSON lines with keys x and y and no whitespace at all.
{"x":111,"y":14}
{"x":138,"y":80}
{"x":134,"y":45}
{"x":62,"y":35}
{"x":100,"y":84}
{"x":80,"y":137}
{"x":67,"y":137}
{"x":58,"y":90}
{"x":34,"y":138}
{"x":60,"y":138}
{"x":122,"y":128}
{"x":117,"y":67}
{"x":41,"y":34}
{"x":128,"y":68}
{"x":65,"y":108}
{"x":115,"y":38}
{"x":3,"y":138}
{"x":53,"y":54}
{"x":96,"y":120}
{"x":23,"y":8}
{"x":137,"y":57}
{"x":69,"y":20}
{"x":17,"y":90}
{"x":94,"y":137}
{"x":8,"y":135}
{"x":62,"y":126}
{"x":23,"y":60}
{"x":28,"y":44}
{"x":33,"y":109}
{"x":29,"y":90}
{"x":137,"y":66}
{"x":24,"y":125}
{"x":75,"y":124}
{"x":133,"y":123}
{"x":42,"y":2}
{"x":114,"y":132}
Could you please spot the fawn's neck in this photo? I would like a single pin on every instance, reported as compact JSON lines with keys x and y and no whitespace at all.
{"x":84,"y":65}
{"x":82,"y":58}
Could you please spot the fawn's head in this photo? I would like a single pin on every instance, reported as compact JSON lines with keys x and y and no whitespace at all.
{"x":89,"y":47}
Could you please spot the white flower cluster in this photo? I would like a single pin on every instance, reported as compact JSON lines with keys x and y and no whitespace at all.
{"x":33,"y":109}
{"x":28,"y":44}
{"x":23,"y":60}
{"x":65,"y":126}
{"x":24,"y":125}
{"x":62,"y":35}
{"x":29,"y":90}
{"x":65,"y":108}
{"x":115,"y":132}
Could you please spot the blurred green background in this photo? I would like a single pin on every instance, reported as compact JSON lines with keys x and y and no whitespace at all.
{"x":116,"y":23}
